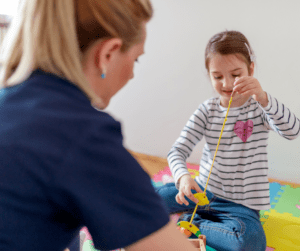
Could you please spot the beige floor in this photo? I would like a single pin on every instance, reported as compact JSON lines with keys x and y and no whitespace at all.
{"x":152,"y":165}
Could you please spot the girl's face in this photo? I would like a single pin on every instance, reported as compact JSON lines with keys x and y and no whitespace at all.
{"x":223,"y":71}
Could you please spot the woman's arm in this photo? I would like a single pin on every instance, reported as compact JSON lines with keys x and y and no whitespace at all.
{"x":167,"y":238}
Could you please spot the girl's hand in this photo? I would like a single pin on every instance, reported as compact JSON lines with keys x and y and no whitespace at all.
{"x":186,"y":184}
{"x":250,"y":86}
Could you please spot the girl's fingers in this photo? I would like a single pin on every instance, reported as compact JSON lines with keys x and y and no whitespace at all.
{"x":246,"y":86}
{"x":182,"y":199}
{"x":243,"y":88}
{"x":247,"y":93}
{"x":250,"y":89}
{"x":244,"y":81}
{"x":191,"y":196}
{"x":197,"y":188}
{"x":178,"y":200}
{"x":239,"y":88}
{"x":185,"y":191}
{"x":241,"y":83}
{"x":239,"y":80}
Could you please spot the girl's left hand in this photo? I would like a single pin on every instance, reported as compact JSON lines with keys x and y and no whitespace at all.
{"x":250,"y":86}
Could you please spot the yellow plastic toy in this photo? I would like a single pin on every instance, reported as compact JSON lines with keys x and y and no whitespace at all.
{"x":202,"y":198}
{"x":191,"y":227}
{"x":187,"y":229}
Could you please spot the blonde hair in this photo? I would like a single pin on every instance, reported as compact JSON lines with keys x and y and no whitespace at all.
{"x":52,"y":35}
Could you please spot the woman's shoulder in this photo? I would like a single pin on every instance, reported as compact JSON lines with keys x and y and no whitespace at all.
{"x":47,"y":103}
{"x":41,"y":88}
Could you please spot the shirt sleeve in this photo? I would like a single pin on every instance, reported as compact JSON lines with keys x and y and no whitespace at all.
{"x":102,"y":185}
{"x":277,"y":117}
{"x":191,"y":134}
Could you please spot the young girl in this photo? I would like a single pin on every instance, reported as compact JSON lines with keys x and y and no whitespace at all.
{"x":238,"y":186}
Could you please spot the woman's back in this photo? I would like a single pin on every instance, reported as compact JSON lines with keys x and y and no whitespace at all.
{"x":37,"y":131}
{"x":63,"y":166}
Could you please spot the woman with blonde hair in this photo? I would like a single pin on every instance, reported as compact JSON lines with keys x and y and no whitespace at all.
{"x":63,"y":164}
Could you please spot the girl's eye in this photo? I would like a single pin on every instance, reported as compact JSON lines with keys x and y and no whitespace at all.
{"x":236,"y":75}
{"x":217,"y":77}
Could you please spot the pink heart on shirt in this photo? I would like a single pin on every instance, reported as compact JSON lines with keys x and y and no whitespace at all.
{"x":243,"y":130}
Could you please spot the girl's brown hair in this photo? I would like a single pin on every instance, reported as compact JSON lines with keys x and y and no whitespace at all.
{"x":229,"y":42}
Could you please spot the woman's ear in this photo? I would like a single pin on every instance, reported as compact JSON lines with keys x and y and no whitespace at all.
{"x":252,"y":69}
{"x":106,"y":52}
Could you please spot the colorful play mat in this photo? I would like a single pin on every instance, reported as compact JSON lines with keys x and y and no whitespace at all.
{"x":281,"y":223}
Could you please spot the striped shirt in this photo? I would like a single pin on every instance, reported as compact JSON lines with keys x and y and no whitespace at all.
{"x":240,"y":171}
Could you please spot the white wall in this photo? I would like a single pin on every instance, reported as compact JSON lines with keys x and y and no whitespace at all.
{"x":170,"y":80}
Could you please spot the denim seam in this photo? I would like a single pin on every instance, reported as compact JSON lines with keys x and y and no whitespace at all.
{"x":212,"y":200}
{"x":235,"y":219}
{"x":218,"y":229}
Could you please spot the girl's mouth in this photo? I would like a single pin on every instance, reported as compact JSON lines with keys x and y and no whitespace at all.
{"x":228,"y":92}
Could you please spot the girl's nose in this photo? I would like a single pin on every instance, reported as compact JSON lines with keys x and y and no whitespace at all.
{"x":228,"y":83}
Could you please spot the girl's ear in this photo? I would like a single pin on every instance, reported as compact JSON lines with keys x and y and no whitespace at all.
{"x":252,"y":69}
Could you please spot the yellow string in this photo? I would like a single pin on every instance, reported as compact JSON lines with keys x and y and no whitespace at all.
{"x":212,"y":164}
{"x":194,"y":214}
{"x":214,"y":156}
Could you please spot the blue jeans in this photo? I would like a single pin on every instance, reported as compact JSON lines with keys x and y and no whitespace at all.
{"x":227,"y":226}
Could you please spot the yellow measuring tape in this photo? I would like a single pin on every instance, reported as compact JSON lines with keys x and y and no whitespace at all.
{"x":213,"y":159}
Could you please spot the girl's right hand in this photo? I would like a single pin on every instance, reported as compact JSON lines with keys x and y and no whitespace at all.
{"x":186,"y":184}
